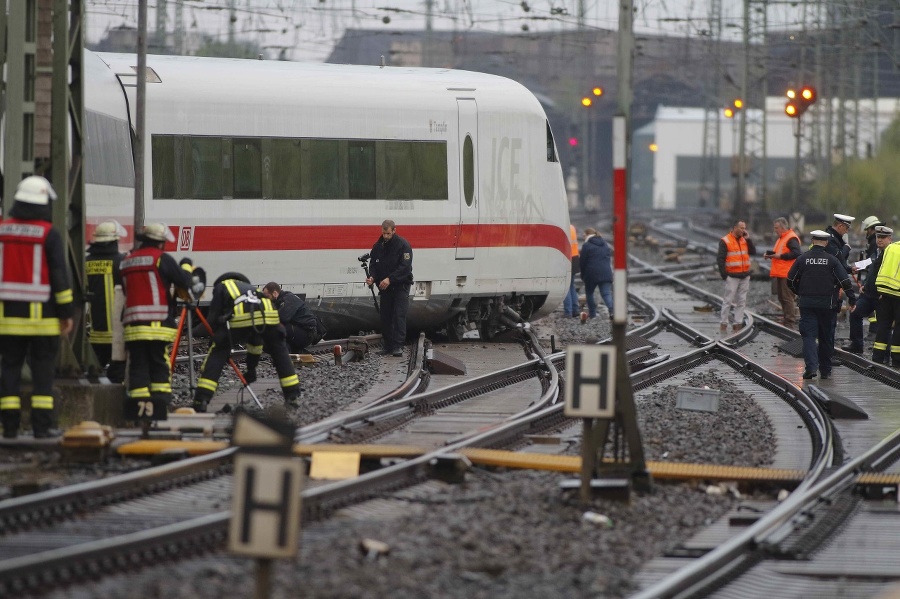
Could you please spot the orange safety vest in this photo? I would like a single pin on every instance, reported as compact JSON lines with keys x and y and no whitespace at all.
{"x":573,"y":236}
{"x":781,"y":267}
{"x":737,"y":260}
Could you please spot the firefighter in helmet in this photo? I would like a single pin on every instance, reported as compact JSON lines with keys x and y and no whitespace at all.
{"x":238,"y":315}
{"x":103,"y":275}
{"x":35,"y":305}
{"x":148,"y":274}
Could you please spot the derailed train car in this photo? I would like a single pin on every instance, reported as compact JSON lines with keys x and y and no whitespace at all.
{"x":284,"y":171}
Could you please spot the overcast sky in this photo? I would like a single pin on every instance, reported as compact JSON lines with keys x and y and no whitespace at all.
{"x":308,"y":29}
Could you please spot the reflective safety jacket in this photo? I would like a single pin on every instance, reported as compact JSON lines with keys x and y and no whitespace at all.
{"x":238,"y":304}
{"x":146,"y":295}
{"x":102,"y":270}
{"x":24,"y":275}
{"x":888,"y":278}
{"x":147,"y":275}
{"x":40,"y":317}
{"x":576,"y":262}
{"x":780,"y":264}
{"x":733,"y":258}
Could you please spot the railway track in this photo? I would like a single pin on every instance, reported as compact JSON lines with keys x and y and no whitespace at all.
{"x":671,"y":343}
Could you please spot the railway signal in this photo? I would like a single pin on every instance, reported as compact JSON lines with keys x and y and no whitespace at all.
{"x":799,"y":101}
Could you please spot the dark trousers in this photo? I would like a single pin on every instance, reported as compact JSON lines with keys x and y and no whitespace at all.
{"x":148,"y":370}
{"x":394,"y":308}
{"x":816,"y":324}
{"x":297,"y":338}
{"x":888,"y":311}
{"x":271,"y":339}
{"x":865,"y":306}
{"x":41,"y":352}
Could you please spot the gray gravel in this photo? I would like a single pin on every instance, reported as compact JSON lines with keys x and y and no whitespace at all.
{"x":502,"y":533}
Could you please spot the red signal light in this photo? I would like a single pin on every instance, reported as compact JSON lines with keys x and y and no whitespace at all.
{"x":573,"y":141}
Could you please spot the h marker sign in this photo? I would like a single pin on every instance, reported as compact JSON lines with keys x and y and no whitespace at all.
{"x":590,"y":381}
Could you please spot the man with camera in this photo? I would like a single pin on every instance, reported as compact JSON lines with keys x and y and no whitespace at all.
{"x":391,"y":270}
{"x":733,"y":261}
{"x":239,"y":315}
{"x":786,"y":250}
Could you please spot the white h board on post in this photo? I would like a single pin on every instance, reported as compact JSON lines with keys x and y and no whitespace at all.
{"x":590,"y":381}
{"x":265,"y":509}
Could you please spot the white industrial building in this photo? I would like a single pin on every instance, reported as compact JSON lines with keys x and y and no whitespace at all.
{"x":668,"y":161}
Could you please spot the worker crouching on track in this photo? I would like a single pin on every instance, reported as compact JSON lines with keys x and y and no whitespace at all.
{"x":148,"y":273}
{"x":239,"y":316}
{"x":817,"y":277}
{"x":35,"y":305}
{"x":300,"y":324}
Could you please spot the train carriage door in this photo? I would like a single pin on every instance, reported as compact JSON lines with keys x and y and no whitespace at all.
{"x":467,"y":239}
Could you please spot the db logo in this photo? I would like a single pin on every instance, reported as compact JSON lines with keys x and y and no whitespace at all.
{"x":185,"y":239}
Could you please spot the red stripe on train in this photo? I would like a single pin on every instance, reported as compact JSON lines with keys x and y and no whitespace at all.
{"x":354,"y":237}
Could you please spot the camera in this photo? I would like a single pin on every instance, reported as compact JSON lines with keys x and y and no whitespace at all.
{"x":364,"y":257}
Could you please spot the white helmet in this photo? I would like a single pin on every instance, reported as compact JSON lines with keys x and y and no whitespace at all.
{"x":157,"y":232}
{"x":869,"y":221}
{"x":110,"y":230}
{"x":35,"y":190}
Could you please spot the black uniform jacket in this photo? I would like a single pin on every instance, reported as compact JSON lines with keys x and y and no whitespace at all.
{"x":392,"y":260}
{"x":817,"y":277}
{"x":294,"y":311}
{"x":837,"y":247}
{"x":869,"y":289}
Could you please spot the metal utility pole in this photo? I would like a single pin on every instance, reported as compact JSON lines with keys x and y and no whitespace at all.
{"x":159,"y":37}
{"x":710,"y":186}
{"x":179,"y":27}
{"x":427,"y":38}
{"x":583,"y":114}
{"x":18,"y":152}
{"x":141,"y":116}
{"x":596,"y":431}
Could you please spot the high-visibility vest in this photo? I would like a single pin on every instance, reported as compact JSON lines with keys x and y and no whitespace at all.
{"x":24,"y":273}
{"x":737,"y":260}
{"x":146,"y":295}
{"x":888,"y":278}
{"x":573,"y":236}
{"x":781,"y":267}
{"x":249,"y":310}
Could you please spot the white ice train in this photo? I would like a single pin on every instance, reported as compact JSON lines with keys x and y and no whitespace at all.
{"x":285,"y":171}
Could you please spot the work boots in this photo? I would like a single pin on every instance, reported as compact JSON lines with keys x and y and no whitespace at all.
{"x":42,"y":423}
{"x":201,"y":400}
{"x":292,"y":395}
{"x":11,"y":419}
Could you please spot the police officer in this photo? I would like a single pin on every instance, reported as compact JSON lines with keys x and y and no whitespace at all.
{"x":103,"y":274}
{"x":238,"y":315}
{"x":817,"y":276}
{"x":868,"y":227}
{"x":300,"y":324}
{"x":35,"y":305}
{"x":836,"y":233}
{"x":868,"y":299}
{"x":391,"y":270}
{"x":887,"y":283}
{"x":148,"y":273}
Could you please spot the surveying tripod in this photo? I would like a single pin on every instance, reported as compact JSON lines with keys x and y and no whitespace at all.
{"x":188,"y":309}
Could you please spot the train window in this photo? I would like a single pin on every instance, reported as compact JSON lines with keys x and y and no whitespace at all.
{"x":551,"y":145}
{"x":324,"y":168}
{"x":107,"y":151}
{"x":282,"y":172}
{"x":247,"y":168}
{"x":411,"y":170}
{"x":162,"y":148}
{"x":468,"y":170}
{"x":206,"y":167}
{"x":361,"y":169}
